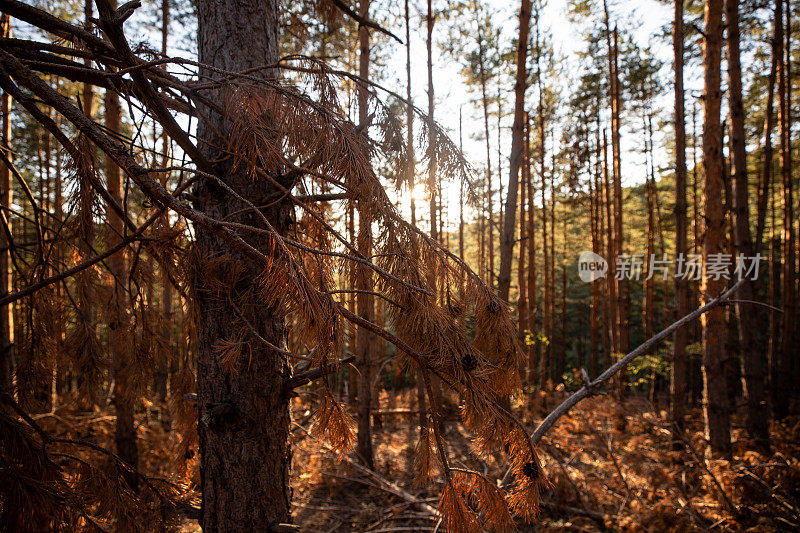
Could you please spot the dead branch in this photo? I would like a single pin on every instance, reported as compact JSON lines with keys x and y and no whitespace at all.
{"x":310,"y":375}
{"x":344,"y":8}
{"x":646,"y":346}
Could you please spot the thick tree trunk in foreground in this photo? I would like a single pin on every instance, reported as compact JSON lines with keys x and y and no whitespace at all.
{"x":757,"y":420}
{"x":243,"y":414}
{"x":517,"y":137}
{"x":715,"y":358}
{"x":679,"y":364}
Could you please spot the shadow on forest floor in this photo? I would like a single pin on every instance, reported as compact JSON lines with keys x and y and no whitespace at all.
{"x":610,"y":466}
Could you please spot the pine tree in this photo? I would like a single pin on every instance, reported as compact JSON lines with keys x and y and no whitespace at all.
{"x":715,"y":357}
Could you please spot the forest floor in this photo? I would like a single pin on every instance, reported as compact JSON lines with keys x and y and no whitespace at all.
{"x":610,"y":466}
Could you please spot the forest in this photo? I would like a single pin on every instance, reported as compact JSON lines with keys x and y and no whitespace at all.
{"x":388,"y":266}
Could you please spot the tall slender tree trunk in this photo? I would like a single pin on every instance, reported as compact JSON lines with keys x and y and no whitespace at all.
{"x":679,"y":365}
{"x":766,"y":200}
{"x":6,"y":311}
{"x":421,"y":407}
{"x":162,"y":370}
{"x":488,"y":198}
{"x":555,"y":375}
{"x":429,"y":21}
{"x":562,"y":330}
{"x":531,"y":274}
{"x":622,"y":337}
{"x":649,"y":281}
{"x":544,"y":365}
{"x":517,"y":133}
{"x":757,"y":415}
{"x":125,"y":432}
{"x":715,"y":358}
{"x":364,"y":301}
{"x":613,"y":332}
{"x":594,"y":229}
{"x":522,"y":280}
{"x":623,"y":297}
{"x":243,"y":415}
{"x":788,"y":350}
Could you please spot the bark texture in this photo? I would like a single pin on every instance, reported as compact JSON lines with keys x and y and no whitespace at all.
{"x":679,"y":365}
{"x":715,"y":356}
{"x":517,"y":138}
{"x":243,"y":422}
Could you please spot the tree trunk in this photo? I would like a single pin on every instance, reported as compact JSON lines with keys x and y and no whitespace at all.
{"x":162,"y":371}
{"x":421,"y":408}
{"x":522,"y":281}
{"x":364,"y":301}
{"x":594,"y":228}
{"x":509,"y":224}
{"x":613,"y":333}
{"x":488,"y":199}
{"x":562,"y":331}
{"x":715,"y":358}
{"x":544,"y":364}
{"x":531,"y":281}
{"x":622,"y":337}
{"x":649,"y":281}
{"x":788,"y":350}
{"x":757,"y":415}
{"x":551,"y":327}
{"x":118,"y":318}
{"x":679,"y":365}
{"x":6,"y":311}
{"x":429,"y":20}
{"x":243,"y":414}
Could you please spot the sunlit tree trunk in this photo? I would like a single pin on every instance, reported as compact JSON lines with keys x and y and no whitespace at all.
{"x":612,"y":334}
{"x":483,"y":264}
{"x":531,"y":273}
{"x":649,"y":290}
{"x":715,"y":358}
{"x":551,"y":327}
{"x":544,"y":364}
{"x":622,"y":337}
{"x":562,"y":330}
{"x":679,"y":366}
{"x":594,"y":228}
{"x":517,"y":138}
{"x":522,"y":281}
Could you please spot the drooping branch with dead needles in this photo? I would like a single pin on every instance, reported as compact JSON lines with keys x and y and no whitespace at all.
{"x":297,"y":125}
